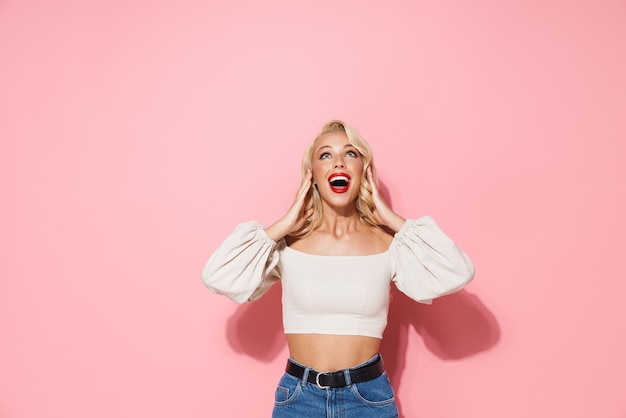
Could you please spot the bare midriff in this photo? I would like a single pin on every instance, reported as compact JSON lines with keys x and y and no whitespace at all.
{"x":327,"y":353}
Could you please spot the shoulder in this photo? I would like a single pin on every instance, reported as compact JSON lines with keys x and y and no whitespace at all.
{"x":371,"y":240}
{"x":310,"y":243}
{"x":381,"y":238}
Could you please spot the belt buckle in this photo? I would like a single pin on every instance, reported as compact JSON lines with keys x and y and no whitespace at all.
{"x":317,"y":381}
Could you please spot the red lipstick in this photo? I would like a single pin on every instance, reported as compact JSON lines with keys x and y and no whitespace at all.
{"x":339,"y":182}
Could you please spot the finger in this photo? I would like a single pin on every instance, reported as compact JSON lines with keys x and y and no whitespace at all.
{"x":306,"y":185}
{"x":370,"y":177}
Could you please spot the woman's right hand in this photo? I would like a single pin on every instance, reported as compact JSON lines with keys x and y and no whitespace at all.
{"x":297,"y":214}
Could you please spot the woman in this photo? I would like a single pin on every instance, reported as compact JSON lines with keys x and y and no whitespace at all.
{"x":336,"y":251}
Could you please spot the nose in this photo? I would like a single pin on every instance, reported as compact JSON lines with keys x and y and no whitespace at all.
{"x":339,"y":164}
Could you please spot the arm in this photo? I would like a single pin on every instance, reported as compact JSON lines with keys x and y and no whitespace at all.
{"x":383,"y":213}
{"x":426,"y":262}
{"x":245,"y":265}
{"x":296,"y":216}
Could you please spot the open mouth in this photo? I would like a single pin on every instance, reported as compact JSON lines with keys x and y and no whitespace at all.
{"x":339,"y":182}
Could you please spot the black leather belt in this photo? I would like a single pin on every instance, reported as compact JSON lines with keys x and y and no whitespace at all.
{"x":337,"y":379}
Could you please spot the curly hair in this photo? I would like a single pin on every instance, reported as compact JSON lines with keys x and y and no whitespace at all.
{"x":364,"y":202}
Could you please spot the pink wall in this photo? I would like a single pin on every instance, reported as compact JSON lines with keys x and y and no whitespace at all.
{"x":135,"y":135}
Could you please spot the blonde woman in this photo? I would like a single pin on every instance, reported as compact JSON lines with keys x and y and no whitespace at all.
{"x":336,"y":252}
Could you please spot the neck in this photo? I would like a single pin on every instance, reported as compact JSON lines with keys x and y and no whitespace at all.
{"x":340,"y":220}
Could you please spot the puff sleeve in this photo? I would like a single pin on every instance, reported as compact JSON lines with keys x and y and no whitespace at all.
{"x":426,"y":263}
{"x":245,"y":265}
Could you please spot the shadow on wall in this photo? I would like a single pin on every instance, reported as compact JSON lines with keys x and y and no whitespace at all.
{"x":453,"y":327}
{"x":256,"y":328}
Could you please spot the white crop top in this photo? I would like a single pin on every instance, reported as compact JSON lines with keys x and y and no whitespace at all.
{"x":343,"y":295}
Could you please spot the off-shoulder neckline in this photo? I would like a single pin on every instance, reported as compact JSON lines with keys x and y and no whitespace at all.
{"x":387,"y":251}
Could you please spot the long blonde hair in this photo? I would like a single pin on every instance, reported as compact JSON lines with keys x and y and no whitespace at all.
{"x":364,"y":202}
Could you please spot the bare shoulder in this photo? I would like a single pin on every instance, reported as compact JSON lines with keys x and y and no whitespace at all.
{"x":381,"y":238}
{"x":307,"y":244}
{"x":370,"y":240}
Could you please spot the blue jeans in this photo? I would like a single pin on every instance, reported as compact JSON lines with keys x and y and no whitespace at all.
{"x":297,"y":398}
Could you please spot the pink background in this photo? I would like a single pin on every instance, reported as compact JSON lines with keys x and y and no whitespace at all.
{"x":136,"y":135}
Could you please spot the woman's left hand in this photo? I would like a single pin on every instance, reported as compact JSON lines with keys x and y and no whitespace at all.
{"x":383,"y":213}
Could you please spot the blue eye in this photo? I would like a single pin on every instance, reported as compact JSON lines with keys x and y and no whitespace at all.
{"x":324,"y":155}
{"x":352,"y":154}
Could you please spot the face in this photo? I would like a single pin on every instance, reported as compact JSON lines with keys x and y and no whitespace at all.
{"x":337,"y":169}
